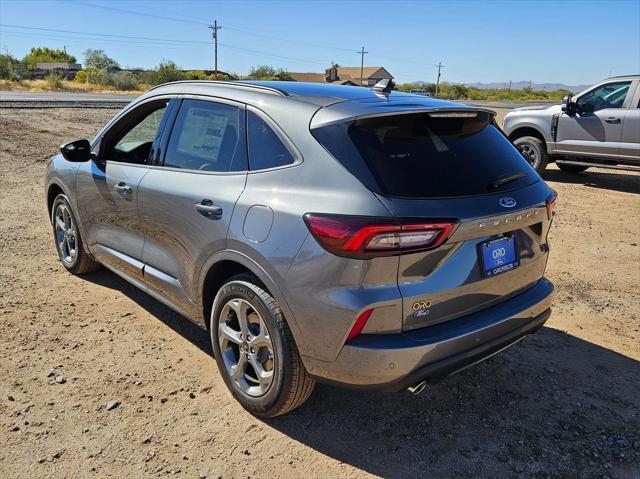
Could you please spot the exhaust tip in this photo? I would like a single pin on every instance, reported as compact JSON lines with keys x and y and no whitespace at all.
{"x":417,"y":388}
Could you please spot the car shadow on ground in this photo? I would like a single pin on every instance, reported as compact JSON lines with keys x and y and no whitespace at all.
{"x":178,"y":323}
{"x":609,"y":180}
{"x":553,"y":405}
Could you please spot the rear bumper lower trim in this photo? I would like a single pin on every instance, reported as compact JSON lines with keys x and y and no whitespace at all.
{"x":441,"y":369}
{"x":392,"y":362}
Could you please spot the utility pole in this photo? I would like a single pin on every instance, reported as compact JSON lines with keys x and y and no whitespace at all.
{"x":64,"y":47}
{"x":214,"y":34}
{"x":509,"y":86}
{"x":440,"y":67}
{"x":362,"y":54}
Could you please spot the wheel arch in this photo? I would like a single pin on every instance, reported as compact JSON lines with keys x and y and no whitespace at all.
{"x":222,"y":266}
{"x":53,"y":191}
{"x":54,"y":188}
{"x":527,"y":131}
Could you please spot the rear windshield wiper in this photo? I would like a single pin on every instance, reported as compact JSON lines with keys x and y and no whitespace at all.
{"x":507,"y":179}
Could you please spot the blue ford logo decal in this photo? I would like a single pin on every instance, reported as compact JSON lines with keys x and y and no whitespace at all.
{"x":507,"y":202}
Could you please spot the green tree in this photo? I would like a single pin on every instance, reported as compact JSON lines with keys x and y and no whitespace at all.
{"x":267,"y":72}
{"x":99,"y":60}
{"x":10,"y":67}
{"x":46,"y":55}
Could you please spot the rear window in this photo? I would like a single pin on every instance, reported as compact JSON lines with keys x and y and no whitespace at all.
{"x":423,"y":156}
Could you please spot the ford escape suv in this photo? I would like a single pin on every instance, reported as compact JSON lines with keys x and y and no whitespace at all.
{"x":357,"y":236}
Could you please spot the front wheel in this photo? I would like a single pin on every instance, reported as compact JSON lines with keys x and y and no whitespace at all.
{"x":255,"y":351}
{"x":68,"y":240}
{"x":572,"y":168}
{"x":534,"y":151}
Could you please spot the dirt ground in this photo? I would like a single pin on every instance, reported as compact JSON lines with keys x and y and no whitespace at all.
{"x":564,"y":402}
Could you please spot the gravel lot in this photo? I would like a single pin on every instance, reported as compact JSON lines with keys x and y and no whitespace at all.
{"x":99,"y":380}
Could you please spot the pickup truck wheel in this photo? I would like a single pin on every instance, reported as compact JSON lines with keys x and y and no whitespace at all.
{"x":255,"y":351}
{"x":572,"y":168}
{"x":534,"y":151}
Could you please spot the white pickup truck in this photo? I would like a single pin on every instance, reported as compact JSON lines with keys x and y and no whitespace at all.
{"x":599,"y":126}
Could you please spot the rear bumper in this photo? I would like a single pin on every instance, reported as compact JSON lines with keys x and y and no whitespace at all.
{"x":392,"y":362}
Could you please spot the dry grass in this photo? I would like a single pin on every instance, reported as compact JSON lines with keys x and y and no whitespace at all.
{"x":39,"y":86}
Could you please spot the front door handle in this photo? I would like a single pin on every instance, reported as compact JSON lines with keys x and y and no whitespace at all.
{"x":612,"y":119}
{"x":207,"y":209}
{"x":123,"y":189}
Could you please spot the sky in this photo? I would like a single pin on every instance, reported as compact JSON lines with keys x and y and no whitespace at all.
{"x":570,"y":42}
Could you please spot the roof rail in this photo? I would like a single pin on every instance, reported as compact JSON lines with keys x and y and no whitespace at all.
{"x":232,"y":83}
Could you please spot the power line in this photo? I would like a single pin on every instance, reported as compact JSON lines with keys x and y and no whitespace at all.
{"x":142,"y":14}
{"x":196,"y":22}
{"x":164,"y":42}
{"x":106,"y":34}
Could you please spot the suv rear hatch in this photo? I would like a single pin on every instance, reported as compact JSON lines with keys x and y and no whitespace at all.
{"x":454,"y":163}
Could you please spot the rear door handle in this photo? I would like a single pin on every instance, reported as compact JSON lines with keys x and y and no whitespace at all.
{"x":612,"y":119}
{"x":123,"y":189}
{"x":207,"y":209}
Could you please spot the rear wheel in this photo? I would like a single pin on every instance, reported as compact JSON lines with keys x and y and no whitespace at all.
{"x":68,"y":240}
{"x":255,"y":351}
{"x":534,"y":151}
{"x":572,"y":168}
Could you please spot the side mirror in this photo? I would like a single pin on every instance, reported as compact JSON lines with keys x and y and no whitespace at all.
{"x":77,"y":151}
{"x":568,"y":106}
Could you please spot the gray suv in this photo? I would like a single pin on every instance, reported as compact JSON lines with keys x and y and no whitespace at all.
{"x":356,"y":236}
{"x":599,"y":126}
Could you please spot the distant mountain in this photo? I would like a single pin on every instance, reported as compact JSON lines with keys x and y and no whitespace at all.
{"x":519,"y":85}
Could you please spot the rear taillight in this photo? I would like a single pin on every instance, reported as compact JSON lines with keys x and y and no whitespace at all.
{"x":367,"y":237}
{"x":550,"y":202}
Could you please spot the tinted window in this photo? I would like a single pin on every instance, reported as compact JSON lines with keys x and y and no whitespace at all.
{"x":266,"y":150}
{"x":207,"y":136}
{"x":131,"y":139}
{"x":609,"y":95}
{"x":420,"y":156}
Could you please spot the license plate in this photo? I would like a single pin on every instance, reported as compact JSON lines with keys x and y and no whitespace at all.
{"x":499,"y":256}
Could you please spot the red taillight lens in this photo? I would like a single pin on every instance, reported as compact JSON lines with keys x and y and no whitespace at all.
{"x":551,"y":203}
{"x":359,"y":324}
{"x":366,"y":237}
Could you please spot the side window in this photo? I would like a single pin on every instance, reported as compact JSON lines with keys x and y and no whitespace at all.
{"x":266,"y":150}
{"x":131,"y":139}
{"x":609,"y":95}
{"x":207,"y":136}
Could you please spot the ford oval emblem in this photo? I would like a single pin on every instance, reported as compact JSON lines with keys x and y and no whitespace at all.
{"x":507,"y":202}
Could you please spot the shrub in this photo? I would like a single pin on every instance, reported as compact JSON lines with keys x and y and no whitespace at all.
{"x":123,"y":81}
{"x":196,"y":75}
{"x":82,"y":76}
{"x":167,"y":71}
{"x":54,"y":81}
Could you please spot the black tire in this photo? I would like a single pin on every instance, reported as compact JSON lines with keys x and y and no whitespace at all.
{"x":534,"y":151}
{"x":291,"y":384}
{"x":80,"y":262}
{"x":572,"y":168}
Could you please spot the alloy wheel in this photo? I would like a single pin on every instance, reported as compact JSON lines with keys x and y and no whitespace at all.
{"x":246,"y":347}
{"x":65,"y":230}
{"x":530,"y":154}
